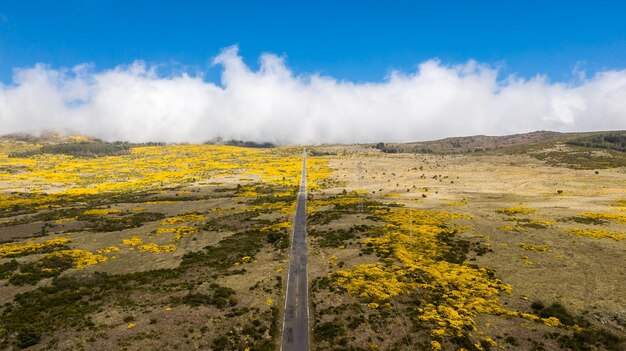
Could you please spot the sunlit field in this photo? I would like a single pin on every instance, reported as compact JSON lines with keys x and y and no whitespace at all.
{"x":164,"y":247}
{"x":480,"y":251}
{"x":179,"y":247}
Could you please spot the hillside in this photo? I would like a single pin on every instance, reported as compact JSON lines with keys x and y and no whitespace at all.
{"x":589,"y":150}
{"x":470,"y":143}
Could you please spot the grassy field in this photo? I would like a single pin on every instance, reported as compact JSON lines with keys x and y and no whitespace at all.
{"x":180,"y":247}
{"x":469,"y":251}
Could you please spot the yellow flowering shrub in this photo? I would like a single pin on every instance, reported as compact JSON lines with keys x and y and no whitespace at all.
{"x":133,"y":241}
{"x":510,"y":211}
{"x":456,"y":203}
{"x":318,"y":172}
{"x":616,"y":217}
{"x":620,"y":205}
{"x":100,"y":211}
{"x":31,"y":247}
{"x":532,"y":247}
{"x":145,"y":168}
{"x":66,"y":220}
{"x":285,"y":225}
{"x":108,"y":249}
{"x":79,"y":258}
{"x":161,"y":202}
{"x":319,"y":204}
{"x":243,"y":260}
{"x":540,"y":222}
{"x":178,"y":231}
{"x":454,"y":292}
{"x":435,"y":345}
{"x":191,"y":217}
{"x":598,"y":234}
{"x":371,"y":281}
{"x":156,"y":248}
{"x":552,"y":321}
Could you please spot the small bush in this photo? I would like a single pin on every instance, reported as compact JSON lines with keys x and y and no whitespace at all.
{"x":329,"y":331}
{"x":222,"y":297}
{"x":585,"y":220}
{"x":27,"y":338}
{"x":537,"y":305}
{"x":591,"y":339}
{"x":558,"y":311}
{"x":7,"y":268}
{"x":80,"y":149}
{"x":511,"y":340}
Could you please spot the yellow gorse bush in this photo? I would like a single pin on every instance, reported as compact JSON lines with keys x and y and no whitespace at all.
{"x":160,"y":202}
{"x":285,"y":225}
{"x":191,"y":217}
{"x":598,"y":234}
{"x":30,"y":247}
{"x":510,"y":211}
{"x":133,"y":241}
{"x":79,"y":258}
{"x":371,"y":281}
{"x":540,"y":222}
{"x":532,"y":247}
{"x":101,"y":212}
{"x":156,"y":248}
{"x":109,"y":249}
{"x":617,"y":217}
{"x":66,"y":220}
{"x":321,"y":204}
{"x":460,"y":291}
{"x":179,"y":231}
{"x":620,"y":205}
{"x":147,"y":167}
{"x":318,"y":172}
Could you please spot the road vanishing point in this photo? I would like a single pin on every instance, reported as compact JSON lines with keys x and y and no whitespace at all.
{"x":296,"y":322}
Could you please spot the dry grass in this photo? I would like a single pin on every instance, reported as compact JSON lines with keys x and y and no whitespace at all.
{"x":578,"y":272}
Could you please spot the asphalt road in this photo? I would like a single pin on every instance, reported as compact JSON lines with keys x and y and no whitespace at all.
{"x":296,"y":322}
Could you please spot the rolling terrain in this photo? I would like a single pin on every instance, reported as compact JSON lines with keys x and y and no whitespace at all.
{"x":472,"y":243}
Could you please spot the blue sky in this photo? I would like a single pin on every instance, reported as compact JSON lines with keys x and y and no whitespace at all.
{"x":349,"y":40}
{"x":316,"y":72}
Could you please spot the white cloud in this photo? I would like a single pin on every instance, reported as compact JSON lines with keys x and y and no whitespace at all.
{"x":135,"y":103}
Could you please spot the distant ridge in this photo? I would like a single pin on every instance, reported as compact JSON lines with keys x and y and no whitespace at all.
{"x":610,"y":140}
{"x":481,"y":143}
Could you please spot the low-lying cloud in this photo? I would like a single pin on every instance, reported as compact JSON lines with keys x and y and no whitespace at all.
{"x":136,"y":103}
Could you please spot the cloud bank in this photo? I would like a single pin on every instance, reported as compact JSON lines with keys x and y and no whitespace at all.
{"x":136,"y":103}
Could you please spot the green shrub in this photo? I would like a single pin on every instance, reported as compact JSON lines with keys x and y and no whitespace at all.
{"x":7,"y":268}
{"x":612,"y":141}
{"x":586,"y":220}
{"x":117,"y":223}
{"x":537,"y":305}
{"x":511,"y":340}
{"x":591,"y":339}
{"x":26,"y":338}
{"x":83,"y":149}
{"x":46,"y":267}
{"x":222,"y":297}
{"x":328,"y":331}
